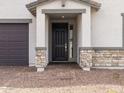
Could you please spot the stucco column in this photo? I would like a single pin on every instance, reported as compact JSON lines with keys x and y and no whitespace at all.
{"x":86,"y":28}
{"x":85,"y":36}
{"x":41,"y":50}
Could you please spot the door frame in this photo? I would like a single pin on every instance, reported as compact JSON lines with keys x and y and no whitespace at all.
{"x":69,"y":21}
{"x":67,"y":40}
{"x":50,"y":36}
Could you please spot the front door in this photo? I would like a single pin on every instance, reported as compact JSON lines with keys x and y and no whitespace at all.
{"x":59,"y":41}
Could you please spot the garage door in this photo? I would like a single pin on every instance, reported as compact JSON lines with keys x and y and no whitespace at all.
{"x":14,"y":44}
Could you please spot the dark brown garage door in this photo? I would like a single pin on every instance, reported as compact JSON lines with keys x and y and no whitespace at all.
{"x":14,"y":44}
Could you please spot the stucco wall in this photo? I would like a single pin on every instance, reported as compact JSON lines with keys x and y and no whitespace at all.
{"x":32,"y":42}
{"x":107,"y":24}
{"x":57,"y":5}
{"x":84,"y":37}
{"x":16,"y":9}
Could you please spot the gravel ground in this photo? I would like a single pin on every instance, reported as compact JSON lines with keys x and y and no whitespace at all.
{"x":60,"y":78}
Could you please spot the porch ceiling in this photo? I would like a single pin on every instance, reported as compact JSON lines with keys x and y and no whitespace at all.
{"x":32,"y":6}
{"x":60,"y":16}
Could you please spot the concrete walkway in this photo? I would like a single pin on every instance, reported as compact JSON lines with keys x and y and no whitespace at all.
{"x":60,"y":78}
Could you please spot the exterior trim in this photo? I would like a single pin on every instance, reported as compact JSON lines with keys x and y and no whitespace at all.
{"x":122,"y":14}
{"x":101,"y":48}
{"x":49,"y":11}
{"x":111,"y":68}
{"x":32,"y":6}
{"x":91,"y":2}
{"x":31,"y":64}
{"x":15,"y":20}
{"x":41,"y":48}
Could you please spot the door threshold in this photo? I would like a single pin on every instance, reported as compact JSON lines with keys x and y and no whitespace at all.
{"x":62,"y":62}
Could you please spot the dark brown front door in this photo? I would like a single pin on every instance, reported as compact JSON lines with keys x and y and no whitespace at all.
{"x":60,"y":41}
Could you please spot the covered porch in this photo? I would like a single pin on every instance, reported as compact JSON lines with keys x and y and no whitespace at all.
{"x":62,"y":28}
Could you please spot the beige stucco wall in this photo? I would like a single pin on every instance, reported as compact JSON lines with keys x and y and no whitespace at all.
{"x":84,"y":33}
{"x":57,"y":5}
{"x":106,"y":23}
{"x":16,"y":9}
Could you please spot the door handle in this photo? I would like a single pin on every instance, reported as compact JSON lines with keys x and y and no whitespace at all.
{"x":65,"y":47}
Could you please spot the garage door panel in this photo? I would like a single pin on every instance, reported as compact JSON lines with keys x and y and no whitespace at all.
{"x":17,"y":44}
{"x":18,"y":52}
{"x":13,"y":63}
{"x":3,"y":52}
{"x":18,"y":61}
{"x":2,"y":57}
{"x":3,"y":44}
{"x":16,"y":49}
{"x":12,"y":26}
{"x":14,"y":44}
{"x":13,"y":52}
{"x":3,"y":38}
{"x":2,"y":32}
{"x":15,"y":32}
{"x":17,"y":57}
{"x":13,"y":48}
{"x":19,"y":37}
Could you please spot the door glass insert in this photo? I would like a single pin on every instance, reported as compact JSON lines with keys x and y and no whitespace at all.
{"x":71,"y":41}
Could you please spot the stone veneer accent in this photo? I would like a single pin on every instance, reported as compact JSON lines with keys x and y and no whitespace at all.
{"x":86,"y":57}
{"x":41,"y":57}
{"x":101,"y":57}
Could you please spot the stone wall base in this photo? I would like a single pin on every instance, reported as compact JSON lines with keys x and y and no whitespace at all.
{"x":111,"y":68}
{"x":101,"y":58}
{"x":40,"y":69}
{"x":86,"y":59}
{"x":41,"y":59}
